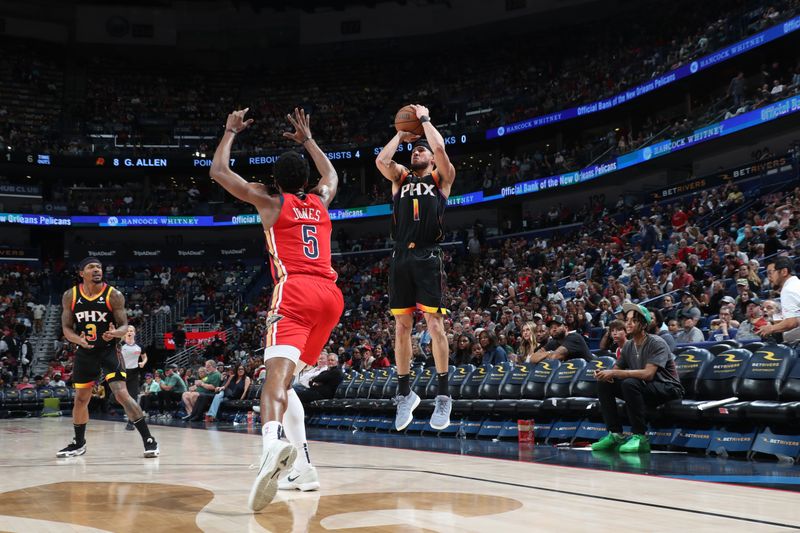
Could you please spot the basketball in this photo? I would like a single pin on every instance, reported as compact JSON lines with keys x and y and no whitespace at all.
{"x":406,"y":120}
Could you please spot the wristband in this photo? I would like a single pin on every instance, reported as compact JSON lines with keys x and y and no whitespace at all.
{"x":424,"y":119}
{"x":307,"y":139}
{"x":232,"y":130}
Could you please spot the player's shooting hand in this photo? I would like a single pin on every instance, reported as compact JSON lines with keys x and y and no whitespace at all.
{"x":236,"y":121}
{"x":421,"y":110}
{"x":407,"y":136}
{"x":302,"y":126}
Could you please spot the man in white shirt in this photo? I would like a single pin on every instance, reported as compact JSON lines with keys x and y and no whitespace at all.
{"x":38,"y":317}
{"x":780,"y":272}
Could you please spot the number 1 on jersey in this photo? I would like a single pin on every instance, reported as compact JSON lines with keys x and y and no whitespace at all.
{"x":310,"y":244}
{"x":416,"y":209}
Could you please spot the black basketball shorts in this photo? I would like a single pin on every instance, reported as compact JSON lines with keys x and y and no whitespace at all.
{"x":90,"y":363}
{"x":417,"y":281}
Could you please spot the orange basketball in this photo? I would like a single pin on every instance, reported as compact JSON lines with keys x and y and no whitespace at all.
{"x":406,"y":120}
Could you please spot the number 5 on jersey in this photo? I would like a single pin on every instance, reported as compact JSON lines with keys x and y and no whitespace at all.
{"x":310,"y":244}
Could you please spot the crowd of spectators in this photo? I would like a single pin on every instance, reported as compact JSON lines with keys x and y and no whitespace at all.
{"x":512,"y":77}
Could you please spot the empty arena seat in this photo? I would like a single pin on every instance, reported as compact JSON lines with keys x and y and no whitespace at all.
{"x":718,"y":348}
{"x":433,"y":385}
{"x":762,"y":379}
{"x":382,"y":377}
{"x":511,"y":390}
{"x":689,"y":364}
{"x":11,"y":398}
{"x":490,"y":388}
{"x":560,"y":385}
{"x":470,"y":390}
{"x":583,"y":394}
{"x":534,"y":389}
{"x":29,"y":400}
{"x":718,"y":380}
{"x":366,"y":385}
{"x":460,"y":375}
{"x":754,"y":346}
{"x":420,"y":383}
{"x":352,"y":390}
{"x":787,"y":409}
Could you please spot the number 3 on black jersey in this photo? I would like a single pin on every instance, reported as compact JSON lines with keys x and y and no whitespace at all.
{"x":310,"y":244}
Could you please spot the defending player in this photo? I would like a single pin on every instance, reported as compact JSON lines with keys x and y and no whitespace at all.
{"x":306,"y":303}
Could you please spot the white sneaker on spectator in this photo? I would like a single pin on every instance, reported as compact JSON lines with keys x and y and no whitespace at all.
{"x":304,"y":481}
{"x":278,"y":458}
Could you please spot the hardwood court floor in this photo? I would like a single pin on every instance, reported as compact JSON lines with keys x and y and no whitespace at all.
{"x":202,"y":479}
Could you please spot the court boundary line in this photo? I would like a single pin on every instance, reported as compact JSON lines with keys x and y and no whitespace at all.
{"x":570,"y":493}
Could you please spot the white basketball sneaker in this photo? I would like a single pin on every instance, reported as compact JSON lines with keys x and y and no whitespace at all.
{"x":280,"y":457}
{"x":296,"y":480}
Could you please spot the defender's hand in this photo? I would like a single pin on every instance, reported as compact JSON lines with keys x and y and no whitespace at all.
{"x":302,"y":126}
{"x":236,"y":121}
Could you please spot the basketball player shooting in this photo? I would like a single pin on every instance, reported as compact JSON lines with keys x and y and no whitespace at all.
{"x":90,"y":310}
{"x":306,"y":303}
{"x":416,"y":274}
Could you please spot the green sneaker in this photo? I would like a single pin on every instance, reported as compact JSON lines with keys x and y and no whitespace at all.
{"x":609,"y":442}
{"x":636,"y":444}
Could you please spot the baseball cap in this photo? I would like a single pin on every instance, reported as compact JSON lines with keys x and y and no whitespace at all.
{"x":728,"y":300}
{"x":173,"y":366}
{"x":636,"y":308}
{"x":742,"y":281}
{"x":558,"y":319}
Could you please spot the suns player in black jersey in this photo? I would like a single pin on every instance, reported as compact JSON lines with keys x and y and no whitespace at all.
{"x":416,"y":274}
{"x":93,"y":317}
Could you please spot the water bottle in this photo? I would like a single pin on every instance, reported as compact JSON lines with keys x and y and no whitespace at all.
{"x":461,"y":433}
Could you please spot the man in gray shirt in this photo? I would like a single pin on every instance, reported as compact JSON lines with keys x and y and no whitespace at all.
{"x":645,"y":374}
{"x":689,"y":333}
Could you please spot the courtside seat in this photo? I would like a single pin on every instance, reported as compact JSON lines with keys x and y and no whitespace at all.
{"x":535,"y":387}
{"x":358,"y":380}
{"x":11,"y":398}
{"x":717,"y":381}
{"x":583,"y":394}
{"x":29,"y":400}
{"x":754,"y":346}
{"x":65,"y":398}
{"x":511,"y":390}
{"x":559,"y":387}
{"x":470,"y":390}
{"x":489,"y":392}
{"x":787,"y":410}
{"x":41,"y":394}
{"x":338,"y":396}
{"x":423,"y":379}
{"x":374,"y":394}
{"x":763,"y":377}
{"x":689,"y":363}
{"x":718,"y":348}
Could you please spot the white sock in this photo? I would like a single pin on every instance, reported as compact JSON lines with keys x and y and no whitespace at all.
{"x":271,"y":431}
{"x":294,"y":424}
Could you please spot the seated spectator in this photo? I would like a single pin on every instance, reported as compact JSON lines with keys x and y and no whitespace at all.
{"x":614,"y":337}
{"x":755,"y":320}
{"x":462,"y":355}
{"x":325,"y":384}
{"x":381,"y":359}
{"x":720,"y":328}
{"x":645,"y":374}
{"x":149,"y":396}
{"x":172,"y":388}
{"x":99,"y":400}
{"x":25,"y":384}
{"x":689,"y":334}
{"x":562,"y":345}
{"x":57,"y":381}
{"x":492,"y":353}
{"x":658,"y":328}
{"x":236,"y":386}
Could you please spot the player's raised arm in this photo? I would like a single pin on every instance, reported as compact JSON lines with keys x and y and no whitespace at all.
{"x":329,"y":180}
{"x":253,"y":193}
{"x":387,"y":166}
{"x":444,"y":168}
